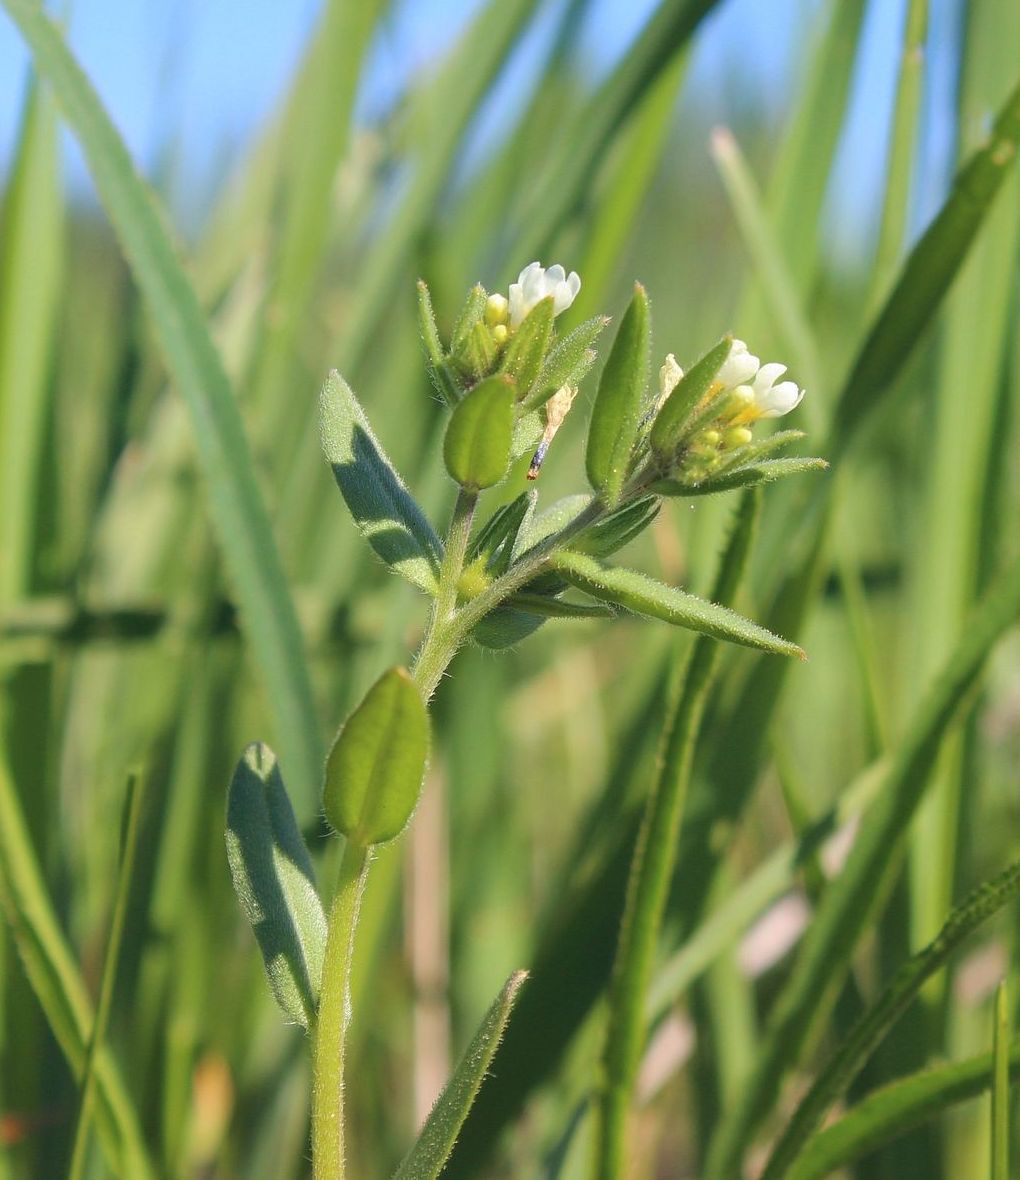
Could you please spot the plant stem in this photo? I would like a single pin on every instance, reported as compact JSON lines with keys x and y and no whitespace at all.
{"x":453,"y":559}
{"x":651,"y":870}
{"x":334,"y":1016}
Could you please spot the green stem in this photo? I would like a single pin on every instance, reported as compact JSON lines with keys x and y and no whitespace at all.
{"x":334,"y":1016}
{"x":132,"y":807}
{"x":651,"y":870}
{"x":453,"y":559}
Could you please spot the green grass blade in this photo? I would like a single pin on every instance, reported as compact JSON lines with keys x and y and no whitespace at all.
{"x":861,"y":1042}
{"x":927,"y":274}
{"x":852,"y":899}
{"x":235,"y":500}
{"x":59,"y":988}
{"x":768,"y":262}
{"x":133,"y":812}
{"x":430,"y":1152}
{"x":1000,"y":1086}
{"x":896,"y":1108}
{"x":902,"y":149}
{"x":652,"y":867}
{"x":30,"y":269}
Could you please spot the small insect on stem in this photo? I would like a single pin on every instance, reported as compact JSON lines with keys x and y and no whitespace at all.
{"x":538,"y":459}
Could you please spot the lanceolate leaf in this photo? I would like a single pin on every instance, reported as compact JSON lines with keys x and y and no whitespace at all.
{"x":740,"y":477}
{"x":567,"y":361}
{"x":670,"y":422}
{"x":527,"y":348}
{"x":614,"y":420}
{"x":274,"y":881}
{"x":645,"y":596}
{"x":426,"y":1158}
{"x":382,"y":507}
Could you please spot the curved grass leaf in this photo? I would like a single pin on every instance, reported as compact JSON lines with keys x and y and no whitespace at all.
{"x":853,"y":898}
{"x":645,"y":596}
{"x":50,"y":968}
{"x":892,"y":1110}
{"x":275,"y":884}
{"x":862,"y":1040}
{"x":236,"y":506}
{"x":378,"y":500}
{"x":426,"y":1158}
{"x":1000,"y":1086}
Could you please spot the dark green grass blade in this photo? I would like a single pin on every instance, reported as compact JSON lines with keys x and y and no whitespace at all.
{"x":895,"y":1109}
{"x":861,"y":1042}
{"x":235,"y":500}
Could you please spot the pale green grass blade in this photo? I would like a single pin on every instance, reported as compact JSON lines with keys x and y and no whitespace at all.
{"x":770,"y":267}
{"x":31,"y":247}
{"x":556,"y":195}
{"x":235,"y":500}
{"x":1000,"y":1086}
{"x":61,"y":992}
{"x":321,"y":116}
{"x":797,"y":187}
{"x":769,"y":881}
{"x":861,"y":1042}
{"x":902,"y":150}
{"x":896,"y":1108}
{"x":426,"y":1158}
{"x":121,"y":897}
{"x":855,"y":896}
{"x":948,"y":558}
{"x":927,"y":274}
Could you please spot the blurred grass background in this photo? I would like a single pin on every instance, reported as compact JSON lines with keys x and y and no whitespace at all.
{"x":520,"y":130}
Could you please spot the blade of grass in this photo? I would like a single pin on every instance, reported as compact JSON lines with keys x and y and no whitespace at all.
{"x":652,"y":867}
{"x":861,"y":1042}
{"x":1000,"y":1086}
{"x":896,"y":1108}
{"x":235,"y":500}
{"x":860,"y":890}
{"x":61,"y":992}
{"x":30,"y":268}
{"x":132,"y":815}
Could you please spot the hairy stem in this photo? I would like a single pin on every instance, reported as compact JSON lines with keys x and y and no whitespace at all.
{"x":334,"y":1016}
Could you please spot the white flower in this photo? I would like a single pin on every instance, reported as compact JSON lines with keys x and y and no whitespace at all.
{"x":535,"y":283}
{"x":738,"y":367}
{"x":670,"y":376}
{"x":767,"y":399}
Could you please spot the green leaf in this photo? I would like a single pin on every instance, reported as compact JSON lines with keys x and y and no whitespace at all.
{"x":375,"y":769}
{"x":672,"y":421}
{"x":860,"y":1043}
{"x":893,"y":1109}
{"x":740,"y":477}
{"x":567,"y":361}
{"x":559,"y":608}
{"x":615,"y":530}
{"x":478,"y":438}
{"x":426,"y":1158}
{"x":275,"y":883}
{"x":614,"y":419}
{"x":505,"y":627}
{"x":238,"y":512}
{"x":555,"y":518}
{"x":439,"y":371}
{"x":645,"y":596}
{"x":497,"y":538}
{"x":528,"y":345}
{"x":471,"y":314}
{"x":382,"y":507}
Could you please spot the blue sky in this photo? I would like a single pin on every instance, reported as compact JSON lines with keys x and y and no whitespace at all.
{"x":205,"y":74}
